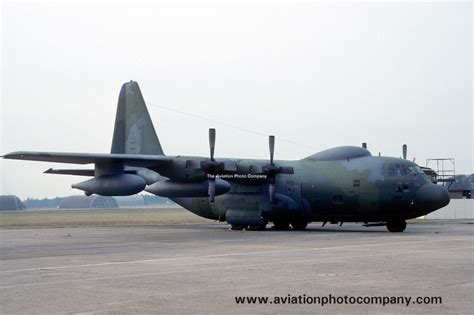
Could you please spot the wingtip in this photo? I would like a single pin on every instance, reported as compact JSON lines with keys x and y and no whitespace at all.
{"x":5,"y":156}
{"x":12,"y":155}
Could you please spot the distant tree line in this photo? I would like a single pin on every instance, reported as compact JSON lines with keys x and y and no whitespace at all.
{"x":46,"y":203}
{"x":33,"y":203}
{"x":155,"y":200}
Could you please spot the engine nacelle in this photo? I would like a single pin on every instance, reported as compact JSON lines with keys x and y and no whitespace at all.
{"x":168,"y":188}
{"x":112,"y":185}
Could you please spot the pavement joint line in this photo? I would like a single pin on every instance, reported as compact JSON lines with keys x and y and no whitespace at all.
{"x":225,"y":267}
{"x":229,"y":255}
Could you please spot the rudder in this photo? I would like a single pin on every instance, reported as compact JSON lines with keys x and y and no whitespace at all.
{"x":134,"y":132}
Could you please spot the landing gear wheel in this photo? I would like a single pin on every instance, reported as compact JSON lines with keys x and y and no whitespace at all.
{"x":397,"y":225}
{"x":299,"y":225}
{"x":281,"y":225}
{"x":259,"y":227}
{"x":237,"y":227}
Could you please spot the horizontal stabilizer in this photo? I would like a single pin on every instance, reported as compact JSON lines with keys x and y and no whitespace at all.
{"x":148,"y":161}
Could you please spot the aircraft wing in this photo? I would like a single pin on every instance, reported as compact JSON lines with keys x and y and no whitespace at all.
{"x":88,"y":158}
{"x":77,"y":172}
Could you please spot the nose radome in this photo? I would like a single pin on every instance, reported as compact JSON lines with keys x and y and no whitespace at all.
{"x":431,"y":197}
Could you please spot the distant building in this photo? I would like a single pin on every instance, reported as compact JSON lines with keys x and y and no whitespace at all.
{"x":151,"y":200}
{"x":88,"y":202}
{"x":456,"y":209}
{"x":142,"y":200}
{"x":10,"y":202}
{"x":44,"y":203}
{"x":130,"y":201}
{"x":461,"y":187}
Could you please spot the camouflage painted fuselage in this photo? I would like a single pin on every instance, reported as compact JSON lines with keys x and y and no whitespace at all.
{"x":358,"y":189}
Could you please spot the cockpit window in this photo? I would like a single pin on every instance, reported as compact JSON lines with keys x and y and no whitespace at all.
{"x":397,"y":170}
{"x":413,"y":170}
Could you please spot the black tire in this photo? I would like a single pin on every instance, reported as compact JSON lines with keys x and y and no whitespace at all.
{"x":299,"y":225}
{"x":258,"y":227}
{"x":396,"y":226}
{"x":281,"y":225}
{"x":237,"y":227}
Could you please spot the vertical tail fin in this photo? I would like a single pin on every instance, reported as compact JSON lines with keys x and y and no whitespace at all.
{"x":134,"y":132}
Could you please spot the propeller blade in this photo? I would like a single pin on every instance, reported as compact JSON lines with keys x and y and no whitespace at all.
{"x":212,"y":189}
{"x":271,"y":142}
{"x":404,"y":149}
{"x":271,"y":193}
{"x":212,"y":141}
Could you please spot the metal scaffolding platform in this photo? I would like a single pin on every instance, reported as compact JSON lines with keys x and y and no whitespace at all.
{"x":444,"y":170}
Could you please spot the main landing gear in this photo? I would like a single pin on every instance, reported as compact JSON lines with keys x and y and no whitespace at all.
{"x":396,"y":225}
{"x":299,"y":225}
{"x":282,"y":225}
{"x":240,"y":227}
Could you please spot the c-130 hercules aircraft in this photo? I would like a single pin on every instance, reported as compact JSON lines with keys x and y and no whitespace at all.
{"x":341,"y":184}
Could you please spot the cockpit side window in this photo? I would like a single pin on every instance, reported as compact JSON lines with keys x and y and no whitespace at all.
{"x":391,"y":171}
{"x":398,"y":170}
{"x":413,"y":170}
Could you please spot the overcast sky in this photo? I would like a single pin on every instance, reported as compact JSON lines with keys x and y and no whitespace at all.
{"x":319,"y":74}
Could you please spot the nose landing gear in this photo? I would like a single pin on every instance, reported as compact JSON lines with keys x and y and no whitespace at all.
{"x":299,"y":225}
{"x":396,"y":225}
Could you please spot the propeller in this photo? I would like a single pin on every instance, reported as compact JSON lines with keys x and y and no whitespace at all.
{"x":271,"y":170}
{"x":212,"y":167}
{"x":212,"y":189}
{"x":271,"y":187}
{"x":212,"y":141}
{"x":271,"y":145}
{"x":404,"y":149}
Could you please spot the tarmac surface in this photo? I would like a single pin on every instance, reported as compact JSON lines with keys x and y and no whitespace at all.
{"x":202,"y":268}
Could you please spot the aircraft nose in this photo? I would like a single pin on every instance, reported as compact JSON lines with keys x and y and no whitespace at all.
{"x":431,"y":197}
